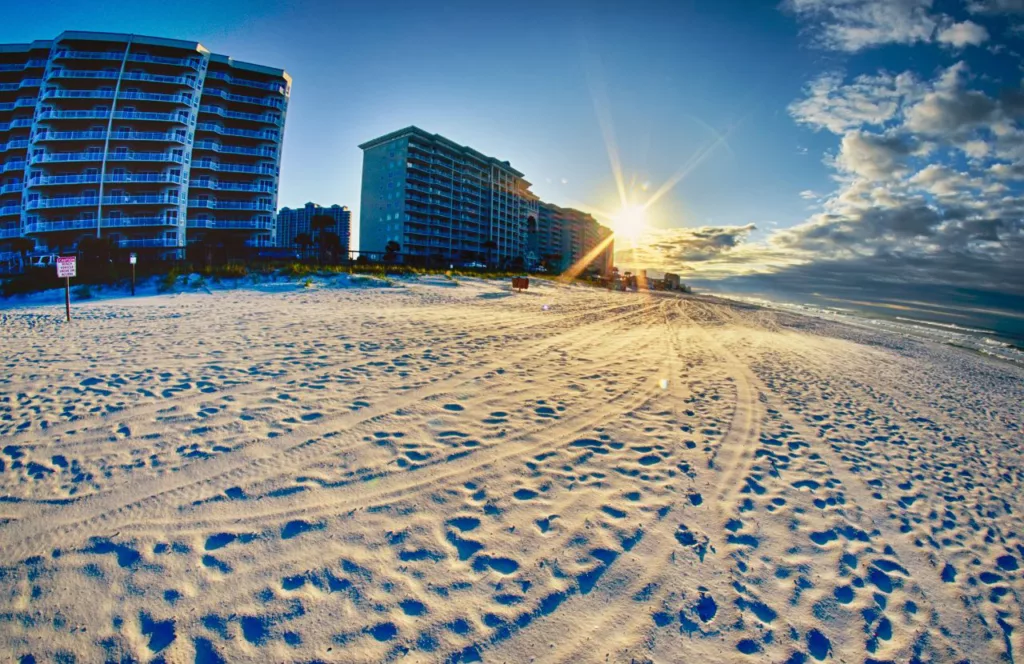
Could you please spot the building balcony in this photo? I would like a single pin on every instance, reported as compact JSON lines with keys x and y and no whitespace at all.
{"x":74,"y":115}
{"x":17,"y":123}
{"x":192,"y":63}
{"x":56,"y":157}
{"x":67,"y":201}
{"x":243,"y":99}
{"x":230,"y":186}
{"x":186,"y":100}
{"x":69,"y":54}
{"x":78,"y":94}
{"x":18,"y":103}
{"x":109,"y":94}
{"x":11,"y":188}
{"x":209,"y":164}
{"x":269,"y":118}
{"x":229,"y":205}
{"x":90,"y":201}
{"x":10,"y":211}
{"x":120,"y":178}
{"x":182,"y":117}
{"x":57,"y":226}
{"x":29,"y":64}
{"x":232,"y":224}
{"x":24,"y":83}
{"x":234,"y":149}
{"x":268,"y":135}
{"x":8,"y":233}
{"x":279,"y":88}
{"x":148,"y":243}
{"x":259,"y":242}
{"x":77,"y":73}
{"x":184,"y":81}
{"x":90,"y":224}
{"x":133,"y":222}
{"x":16,"y":144}
{"x":167,"y":137}
{"x":12,"y":166}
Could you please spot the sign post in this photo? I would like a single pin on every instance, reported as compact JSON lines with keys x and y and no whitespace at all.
{"x":133,"y":259}
{"x":66,"y":268}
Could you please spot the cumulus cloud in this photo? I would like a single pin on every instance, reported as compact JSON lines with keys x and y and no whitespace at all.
{"x":677,"y":246}
{"x":950,"y":109}
{"x":874,"y":156}
{"x":1014,"y":171}
{"x":967,"y":33}
{"x":854,"y":25}
{"x":995,"y":6}
{"x":929,"y":171}
{"x":868,"y":100}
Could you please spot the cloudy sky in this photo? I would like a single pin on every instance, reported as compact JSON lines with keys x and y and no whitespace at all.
{"x":922,"y":211}
{"x":855,"y":150}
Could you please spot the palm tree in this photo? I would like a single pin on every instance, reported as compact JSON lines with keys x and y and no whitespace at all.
{"x":490,"y":246}
{"x":330,"y":244}
{"x":320,"y":224}
{"x":23,"y":245}
{"x":304,"y":241}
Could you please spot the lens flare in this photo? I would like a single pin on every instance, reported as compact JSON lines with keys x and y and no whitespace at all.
{"x":630,"y":222}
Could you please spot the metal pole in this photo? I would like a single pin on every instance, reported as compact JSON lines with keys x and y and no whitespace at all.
{"x":133,"y":279}
{"x":67,"y":297}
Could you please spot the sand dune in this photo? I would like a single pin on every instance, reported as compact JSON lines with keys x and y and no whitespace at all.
{"x":436,"y":473}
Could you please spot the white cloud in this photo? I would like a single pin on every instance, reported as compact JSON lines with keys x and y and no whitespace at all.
{"x":929,"y":173}
{"x":945,"y":182}
{"x":1014,"y":171}
{"x":874,"y":157}
{"x":967,"y":33}
{"x":995,"y":6}
{"x":853,"y":25}
{"x":951,"y":109}
{"x":976,"y":149}
{"x":868,"y":100}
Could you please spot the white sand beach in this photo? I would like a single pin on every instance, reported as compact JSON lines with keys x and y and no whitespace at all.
{"x":440,"y":473}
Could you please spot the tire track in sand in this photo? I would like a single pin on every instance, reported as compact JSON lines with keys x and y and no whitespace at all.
{"x":39,"y":526}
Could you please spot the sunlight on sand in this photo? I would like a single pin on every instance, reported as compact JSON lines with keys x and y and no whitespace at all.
{"x":428,"y":471}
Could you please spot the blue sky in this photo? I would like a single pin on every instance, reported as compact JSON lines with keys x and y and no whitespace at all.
{"x":513,"y":83}
{"x":842,"y":140}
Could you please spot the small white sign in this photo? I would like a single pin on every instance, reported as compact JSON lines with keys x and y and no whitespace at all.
{"x":66,"y":267}
{"x":133,"y":259}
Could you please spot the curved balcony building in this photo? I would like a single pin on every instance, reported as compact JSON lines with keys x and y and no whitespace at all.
{"x":154,"y":143}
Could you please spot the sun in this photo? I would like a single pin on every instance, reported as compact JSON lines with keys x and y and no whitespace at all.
{"x":630,"y":222}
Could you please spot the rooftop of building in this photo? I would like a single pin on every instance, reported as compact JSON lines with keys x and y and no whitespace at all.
{"x":75,"y":35}
{"x":316,"y":205}
{"x":413,"y":130}
{"x":567,"y":211}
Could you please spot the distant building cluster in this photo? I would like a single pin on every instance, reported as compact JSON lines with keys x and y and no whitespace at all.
{"x":297,"y":224}
{"x":563,"y":236}
{"x":155,"y":145}
{"x":445,"y":203}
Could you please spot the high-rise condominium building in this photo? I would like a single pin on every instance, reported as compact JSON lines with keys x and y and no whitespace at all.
{"x":563,"y":237}
{"x":294,"y":222}
{"x":150,"y":142}
{"x":441,"y":201}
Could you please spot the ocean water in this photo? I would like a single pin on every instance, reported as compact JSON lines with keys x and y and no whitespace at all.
{"x":979,"y":324}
